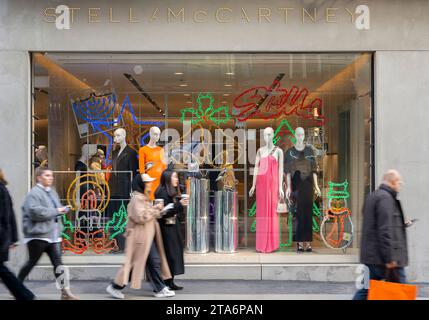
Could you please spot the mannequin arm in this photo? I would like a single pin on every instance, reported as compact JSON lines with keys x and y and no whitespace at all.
{"x":316,"y":186}
{"x":255,"y":174}
{"x":280,"y":161}
{"x":289,"y":186}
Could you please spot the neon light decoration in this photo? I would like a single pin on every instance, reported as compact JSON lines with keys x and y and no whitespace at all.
{"x":90,"y":209}
{"x":99,"y":113}
{"x":118,"y":221}
{"x":211,"y":116}
{"x":335,"y":217}
{"x":281,"y":101}
{"x":216,"y":115}
{"x":338,"y":194}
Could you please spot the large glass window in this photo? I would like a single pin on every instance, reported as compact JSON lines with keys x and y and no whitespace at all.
{"x":212,"y":110}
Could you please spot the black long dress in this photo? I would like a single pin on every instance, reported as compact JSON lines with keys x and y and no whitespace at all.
{"x":171,"y":234}
{"x":301,"y":165}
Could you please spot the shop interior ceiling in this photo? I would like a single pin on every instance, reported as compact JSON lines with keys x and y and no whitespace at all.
{"x":176,"y":79}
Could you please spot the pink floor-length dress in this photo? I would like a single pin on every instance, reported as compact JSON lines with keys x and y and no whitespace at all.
{"x":267,"y":195}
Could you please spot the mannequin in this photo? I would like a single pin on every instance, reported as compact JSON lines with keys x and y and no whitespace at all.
{"x":152,"y":159}
{"x":124,"y":158}
{"x":267,"y":180}
{"x":41,"y":156}
{"x":82,"y":163}
{"x":301,"y":175}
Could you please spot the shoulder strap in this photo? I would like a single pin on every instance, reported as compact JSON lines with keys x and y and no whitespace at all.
{"x":272,"y":151}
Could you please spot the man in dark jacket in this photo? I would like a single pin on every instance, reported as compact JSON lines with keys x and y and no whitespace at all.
{"x":384,"y":239}
{"x":8,"y":239}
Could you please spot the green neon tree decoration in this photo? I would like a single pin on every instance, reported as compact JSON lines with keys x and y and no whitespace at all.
{"x":216,"y":115}
{"x":67,"y":226}
{"x":253,"y":226}
{"x":338,"y":194}
{"x":316,"y":213}
{"x":252,"y":210}
{"x":118,"y":221}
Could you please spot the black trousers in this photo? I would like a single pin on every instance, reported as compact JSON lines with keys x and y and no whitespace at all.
{"x":19,"y":291}
{"x":35,"y":250}
{"x":153,"y":271}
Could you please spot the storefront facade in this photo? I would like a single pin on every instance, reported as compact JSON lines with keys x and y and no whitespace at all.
{"x":212,"y":77}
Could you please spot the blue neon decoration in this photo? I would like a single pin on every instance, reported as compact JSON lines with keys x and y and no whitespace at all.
{"x":98,"y":111}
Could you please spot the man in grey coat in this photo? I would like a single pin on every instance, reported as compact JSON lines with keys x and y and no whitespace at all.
{"x":41,"y":219}
{"x":384,"y":239}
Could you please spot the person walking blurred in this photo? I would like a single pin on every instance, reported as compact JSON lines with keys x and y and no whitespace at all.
{"x":41,"y":213}
{"x":143,"y":244}
{"x":8,"y":240}
{"x":169,"y":191}
{"x":384,"y":248}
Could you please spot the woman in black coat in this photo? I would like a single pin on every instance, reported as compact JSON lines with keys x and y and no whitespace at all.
{"x":8,"y":239}
{"x":169,"y":191}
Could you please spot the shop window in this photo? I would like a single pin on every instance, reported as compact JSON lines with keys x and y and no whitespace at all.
{"x":211,"y":110}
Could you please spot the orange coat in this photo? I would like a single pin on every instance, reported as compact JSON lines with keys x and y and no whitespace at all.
{"x":154,"y":157}
{"x":142,"y":230}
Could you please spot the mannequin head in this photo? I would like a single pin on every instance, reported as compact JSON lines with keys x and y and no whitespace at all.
{"x":42,"y":153}
{"x":154,"y":134}
{"x":119,"y":136}
{"x":299,"y":135}
{"x":268,"y":135}
{"x":85,"y":151}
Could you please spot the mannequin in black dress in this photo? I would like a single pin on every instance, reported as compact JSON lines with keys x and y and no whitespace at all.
{"x":301,"y":173}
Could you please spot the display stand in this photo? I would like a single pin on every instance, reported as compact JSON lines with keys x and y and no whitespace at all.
{"x":197,"y":220}
{"x":226,"y":235}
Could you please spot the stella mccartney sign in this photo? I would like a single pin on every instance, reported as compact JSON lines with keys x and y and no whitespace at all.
{"x":64,"y":16}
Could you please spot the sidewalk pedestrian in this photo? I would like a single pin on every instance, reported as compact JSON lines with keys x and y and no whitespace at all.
{"x":169,"y":191}
{"x":8,"y":240}
{"x":143,"y":247}
{"x":384,"y":240}
{"x":41,"y":213}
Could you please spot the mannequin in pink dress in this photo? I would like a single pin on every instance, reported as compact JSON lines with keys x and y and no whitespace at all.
{"x":267,"y":180}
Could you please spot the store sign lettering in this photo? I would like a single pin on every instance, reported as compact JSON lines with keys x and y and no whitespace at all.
{"x":64,"y":16}
{"x":274,"y":101}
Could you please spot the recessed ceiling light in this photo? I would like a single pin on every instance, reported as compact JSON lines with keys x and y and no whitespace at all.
{"x":187,"y":94}
{"x":226,"y":94}
{"x":178,"y":73}
{"x":230,"y":73}
{"x":138,"y":69}
{"x":183,"y":85}
{"x":228,"y":85}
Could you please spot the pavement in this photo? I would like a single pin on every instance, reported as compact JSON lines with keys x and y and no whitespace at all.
{"x":212,"y":290}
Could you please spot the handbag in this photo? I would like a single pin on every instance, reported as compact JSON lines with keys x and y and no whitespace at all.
{"x":386,"y":290}
{"x":282,"y":206}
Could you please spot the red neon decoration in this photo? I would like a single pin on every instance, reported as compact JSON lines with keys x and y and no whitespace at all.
{"x":271,"y":102}
{"x":336,"y":213}
{"x":89,"y":200}
{"x":98,"y":240}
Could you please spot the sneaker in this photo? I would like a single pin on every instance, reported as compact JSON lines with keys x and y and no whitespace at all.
{"x":164,"y":293}
{"x":115,"y":293}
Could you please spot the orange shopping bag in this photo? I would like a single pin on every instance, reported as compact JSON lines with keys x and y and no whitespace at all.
{"x":383,"y":290}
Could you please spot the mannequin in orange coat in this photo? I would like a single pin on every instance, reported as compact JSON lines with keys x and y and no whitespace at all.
{"x":152,"y":159}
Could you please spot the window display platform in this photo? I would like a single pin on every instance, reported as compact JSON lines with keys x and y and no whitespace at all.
{"x":321,"y":265}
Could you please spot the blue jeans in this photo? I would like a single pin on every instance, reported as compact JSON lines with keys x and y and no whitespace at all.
{"x":377,"y":272}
